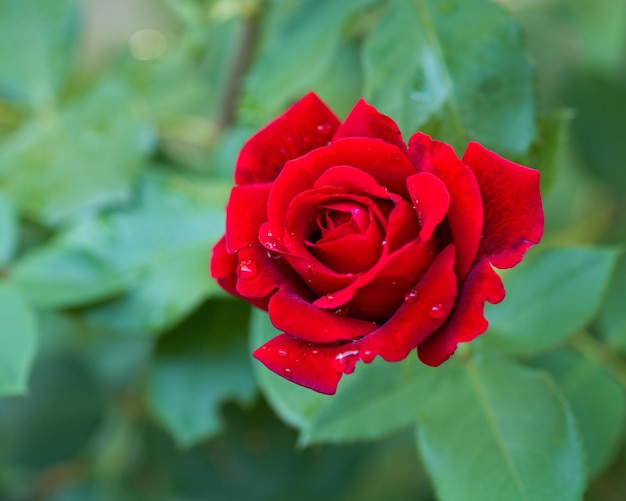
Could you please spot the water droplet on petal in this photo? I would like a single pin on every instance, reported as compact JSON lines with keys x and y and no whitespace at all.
{"x":315,"y":352}
{"x":282,"y":353}
{"x":410,"y":295}
{"x":384,"y":242}
{"x":345,"y":361}
{"x":324,"y":127}
{"x":247,"y":269}
{"x":330,"y":297}
{"x":343,"y":311}
{"x":287,"y":373}
{"x":367,"y":356}
{"x":436,"y":311}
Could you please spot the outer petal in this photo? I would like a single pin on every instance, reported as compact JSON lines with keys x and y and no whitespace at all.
{"x":513,"y":222}
{"x":224,"y":267}
{"x":512,"y":206}
{"x":465,"y":215}
{"x":303,"y":363}
{"x":467,"y":321}
{"x":245,"y":213}
{"x":320,"y":366}
{"x":366,"y":121}
{"x":307,"y":125}
{"x":292,"y":312}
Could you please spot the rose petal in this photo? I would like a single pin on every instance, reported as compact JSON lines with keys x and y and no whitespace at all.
{"x":384,"y":162}
{"x":291,"y":311}
{"x":223,"y":268}
{"x":366,"y":121}
{"x":260,"y":274}
{"x":431,"y":201}
{"x":352,"y":180}
{"x":422,"y":313}
{"x":468,"y":320}
{"x":306,"y":125}
{"x":512,"y":206}
{"x":245,"y":213}
{"x":465,"y":214}
{"x":301,"y":362}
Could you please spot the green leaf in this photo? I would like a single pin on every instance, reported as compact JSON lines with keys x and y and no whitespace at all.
{"x":549,"y":298}
{"x":79,"y":158}
{"x":18,"y":340}
{"x":612,"y":318}
{"x":58,"y":277}
{"x":294,"y":404}
{"x":439,"y":65}
{"x":197,"y":367}
{"x":36,"y":42}
{"x":303,"y":39}
{"x":499,"y":431}
{"x":8,"y":229}
{"x":157,"y":250}
{"x":597,"y":402}
{"x":378,"y":399}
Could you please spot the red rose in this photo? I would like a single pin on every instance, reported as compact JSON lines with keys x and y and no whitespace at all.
{"x":361,"y":247}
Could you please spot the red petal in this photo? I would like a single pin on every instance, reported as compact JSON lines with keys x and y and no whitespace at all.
{"x":512,"y":206}
{"x":431,"y":201}
{"x":301,"y":362}
{"x":465,"y":215}
{"x":245,"y":213}
{"x":467,"y":321}
{"x":384,"y":162}
{"x":224,"y":270}
{"x":292,"y":313}
{"x":259,"y":274}
{"x":422,"y":313}
{"x":306,"y":125}
{"x":366,"y":121}
{"x":352,"y":180}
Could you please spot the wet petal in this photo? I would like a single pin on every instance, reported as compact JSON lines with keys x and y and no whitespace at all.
{"x":306,"y":125}
{"x":245,"y":213}
{"x":366,"y":121}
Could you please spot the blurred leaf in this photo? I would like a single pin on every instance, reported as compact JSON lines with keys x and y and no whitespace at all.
{"x":78,"y":158}
{"x":57,"y":277}
{"x":198,"y":366}
{"x":612,"y":319}
{"x":294,"y":404}
{"x":43,"y":32}
{"x":162,"y":244}
{"x":58,"y":418}
{"x":499,"y":431}
{"x":439,"y":65}
{"x":8,"y":229}
{"x":546,"y":153}
{"x":18,"y":340}
{"x":302,"y":41}
{"x":377,"y":399}
{"x":549,"y":298}
{"x":597,"y":402}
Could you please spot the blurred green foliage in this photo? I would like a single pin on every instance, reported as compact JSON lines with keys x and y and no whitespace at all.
{"x":124,"y":370}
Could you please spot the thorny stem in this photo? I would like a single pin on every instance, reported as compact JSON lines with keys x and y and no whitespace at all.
{"x":588,"y":345}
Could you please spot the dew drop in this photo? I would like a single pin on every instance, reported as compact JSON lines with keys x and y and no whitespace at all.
{"x":282,"y":353}
{"x":324,"y":127}
{"x":436,"y":311}
{"x":367,"y":356}
{"x":315,"y":352}
{"x":247,"y":269}
{"x":343,"y":311}
{"x":287,"y":372}
{"x":410,"y":295}
{"x":384,"y":242}
{"x":329,"y":297}
{"x":345,"y":361}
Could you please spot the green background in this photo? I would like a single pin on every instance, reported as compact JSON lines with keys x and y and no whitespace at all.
{"x":125,"y":373}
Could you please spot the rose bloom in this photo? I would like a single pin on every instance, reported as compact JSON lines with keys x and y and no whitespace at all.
{"x":359,"y":246}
